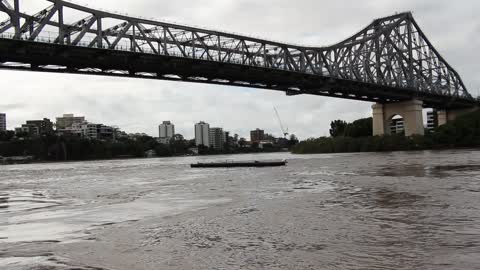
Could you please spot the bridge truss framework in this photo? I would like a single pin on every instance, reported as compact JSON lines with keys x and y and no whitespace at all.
{"x":390,"y":60}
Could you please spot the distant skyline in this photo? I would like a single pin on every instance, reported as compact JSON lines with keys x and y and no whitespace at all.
{"x":163,"y":122}
{"x":137,"y":105}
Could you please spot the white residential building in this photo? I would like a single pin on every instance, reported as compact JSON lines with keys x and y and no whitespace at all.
{"x":3,"y":122}
{"x":202,"y":134}
{"x":166,"y":132}
{"x":76,"y":129}
{"x":397,"y":126}
{"x":90,"y":130}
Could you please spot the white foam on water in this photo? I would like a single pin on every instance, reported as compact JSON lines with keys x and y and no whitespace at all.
{"x":34,"y":224}
{"x":39,"y":232}
{"x":14,"y":263}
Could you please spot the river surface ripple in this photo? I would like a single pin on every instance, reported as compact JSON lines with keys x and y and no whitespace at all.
{"x":415,"y":210}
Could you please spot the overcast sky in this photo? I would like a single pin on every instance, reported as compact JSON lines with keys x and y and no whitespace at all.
{"x":137,"y":105}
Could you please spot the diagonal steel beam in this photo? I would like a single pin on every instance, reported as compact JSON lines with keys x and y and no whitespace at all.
{"x":85,"y":29}
{"x":43,"y":22}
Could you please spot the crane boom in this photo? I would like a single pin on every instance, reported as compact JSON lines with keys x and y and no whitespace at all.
{"x":284,"y":131}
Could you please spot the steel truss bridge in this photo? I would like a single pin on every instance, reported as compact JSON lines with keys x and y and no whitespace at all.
{"x":390,"y":60}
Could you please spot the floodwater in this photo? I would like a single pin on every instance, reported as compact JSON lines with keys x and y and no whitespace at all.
{"x":415,"y":210}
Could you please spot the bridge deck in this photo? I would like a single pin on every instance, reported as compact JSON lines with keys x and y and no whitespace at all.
{"x":45,"y":57}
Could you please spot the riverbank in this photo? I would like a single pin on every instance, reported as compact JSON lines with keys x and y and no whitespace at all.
{"x":327,"y":145}
{"x":52,"y":148}
{"x":462,"y":133}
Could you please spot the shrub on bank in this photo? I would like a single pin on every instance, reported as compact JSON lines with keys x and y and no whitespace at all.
{"x":463,"y":132}
{"x":364,"y":144}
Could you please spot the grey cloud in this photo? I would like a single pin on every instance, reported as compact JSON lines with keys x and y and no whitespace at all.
{"x":11,"y":107}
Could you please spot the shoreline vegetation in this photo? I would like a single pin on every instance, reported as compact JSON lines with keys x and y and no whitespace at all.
{"x":51,"y":148}
{"x":464,"y":132}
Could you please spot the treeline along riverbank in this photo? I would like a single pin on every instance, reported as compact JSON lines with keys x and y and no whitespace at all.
{"x":356,"y":137}
{"x":49,"y":147}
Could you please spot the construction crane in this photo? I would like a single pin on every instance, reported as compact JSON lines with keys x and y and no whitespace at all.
{"x":284,"y":131}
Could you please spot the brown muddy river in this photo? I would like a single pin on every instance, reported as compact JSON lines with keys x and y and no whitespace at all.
{"x":418,"y":210}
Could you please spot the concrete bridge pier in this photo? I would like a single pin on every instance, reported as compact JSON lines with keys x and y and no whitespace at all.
{"x":411,"y":111}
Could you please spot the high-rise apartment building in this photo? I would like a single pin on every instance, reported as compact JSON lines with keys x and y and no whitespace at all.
{"x":217,"y":138}
{"x":166,"y":131}
{"x":202,"y":134}
{"x":3,"y":122}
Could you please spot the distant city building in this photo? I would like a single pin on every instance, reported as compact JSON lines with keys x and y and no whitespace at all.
{"x":202,"y":134}
{"x":3,"y":122}
{"x":257,"y":135}
{"x":432,"y":120}
{"x":44,"y":126}
{"x":105,"y":132}
{"x":166,"y":132}
{"x":36,"y":127}
{"x":72,"y":125}
{"x":90,"y":131}
{"x":31,"y":130}
{"x":100,"y":132}
{"x":397,"y":126}
{"x":265,"y":143}
{"x":68,"y":120}
{"x":217,"y":138}
{"x":227,"y":139}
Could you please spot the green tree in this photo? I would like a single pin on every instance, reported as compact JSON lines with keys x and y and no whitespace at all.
{"x":163,"y":150}
{"x":360,"y":128}
{"x":293,"y":140}
{"x":6,"y":136}
{"x":337,"y":128}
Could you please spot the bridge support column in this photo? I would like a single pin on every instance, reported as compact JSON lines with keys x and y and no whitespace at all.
{"x":445,"y":116}
{"x":378,"y":120}
{"x":411,"y":111}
